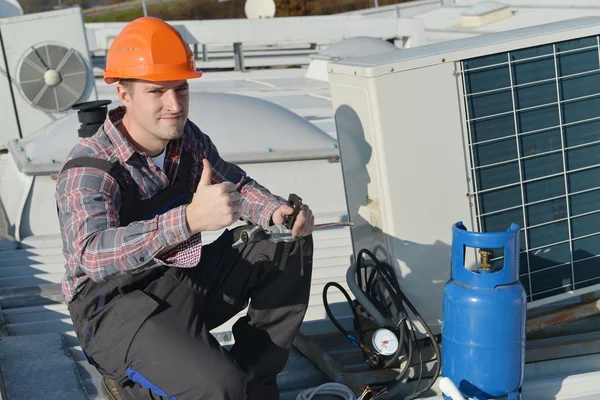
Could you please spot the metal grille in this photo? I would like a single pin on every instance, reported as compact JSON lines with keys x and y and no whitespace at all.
{"x":533,"y":119}
{"x":59,"y":95}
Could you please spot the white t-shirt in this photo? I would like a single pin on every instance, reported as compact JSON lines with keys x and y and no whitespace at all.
{"x":159,"y":160}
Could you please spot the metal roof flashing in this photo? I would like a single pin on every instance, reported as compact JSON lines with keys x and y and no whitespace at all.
{"x":461,"y":49}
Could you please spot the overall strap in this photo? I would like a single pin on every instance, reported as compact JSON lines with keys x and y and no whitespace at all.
{"x":111,"y":168}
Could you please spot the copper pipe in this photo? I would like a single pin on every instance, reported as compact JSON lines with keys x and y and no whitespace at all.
{"x":332,"y":224}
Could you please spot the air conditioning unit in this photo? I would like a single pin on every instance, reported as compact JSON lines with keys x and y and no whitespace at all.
{"x":491,"y":130}
{"x":44,"y":70}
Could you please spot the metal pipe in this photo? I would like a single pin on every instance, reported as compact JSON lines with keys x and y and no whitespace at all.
{"x":204,"y":52}
{"x":238,"y":56}
{"x":332,"y":155}
{"x":332,"y":224}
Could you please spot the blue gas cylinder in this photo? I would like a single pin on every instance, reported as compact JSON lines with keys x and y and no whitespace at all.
{"x":484,"y":314}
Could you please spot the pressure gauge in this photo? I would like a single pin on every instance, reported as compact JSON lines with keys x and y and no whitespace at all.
{"x":385,"y":342}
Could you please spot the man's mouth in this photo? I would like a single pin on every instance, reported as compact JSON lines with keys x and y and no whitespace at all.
{"x":171,"y":117}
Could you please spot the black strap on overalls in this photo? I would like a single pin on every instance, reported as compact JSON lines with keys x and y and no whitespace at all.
{"x":95,"y":294}
{"x":175,"y":195}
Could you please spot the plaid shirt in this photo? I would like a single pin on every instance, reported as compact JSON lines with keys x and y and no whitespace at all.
{"x":96,"y":246}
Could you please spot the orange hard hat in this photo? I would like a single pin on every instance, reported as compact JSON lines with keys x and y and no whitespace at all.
{"x":150,"y":49}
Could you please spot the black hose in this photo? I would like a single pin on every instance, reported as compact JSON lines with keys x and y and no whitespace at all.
{"x":357,"y":342}
{"x":378,"y":283}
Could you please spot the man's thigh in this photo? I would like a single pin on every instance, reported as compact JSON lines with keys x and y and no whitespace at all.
{"x":222,"y":279}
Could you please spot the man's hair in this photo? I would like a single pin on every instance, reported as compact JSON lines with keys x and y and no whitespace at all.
{"x":126,"y":83}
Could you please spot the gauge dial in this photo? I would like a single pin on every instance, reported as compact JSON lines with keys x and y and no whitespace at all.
{"x":385,"y":342}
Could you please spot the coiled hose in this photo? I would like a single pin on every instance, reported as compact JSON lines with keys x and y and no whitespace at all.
{"x":362,"y":298}
{"x":369,"y":289}
{"x":334,"y":389}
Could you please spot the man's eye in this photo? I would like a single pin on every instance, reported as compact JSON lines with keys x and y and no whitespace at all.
{"x":182,"y":89}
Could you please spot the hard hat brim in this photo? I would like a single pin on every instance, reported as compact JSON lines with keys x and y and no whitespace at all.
{"x":154,"y":77}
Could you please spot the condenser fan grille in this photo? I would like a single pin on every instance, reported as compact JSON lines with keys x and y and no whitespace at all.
{"x":52,"y":77}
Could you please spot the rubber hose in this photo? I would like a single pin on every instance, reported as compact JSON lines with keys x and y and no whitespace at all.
{"x":362,"y":298}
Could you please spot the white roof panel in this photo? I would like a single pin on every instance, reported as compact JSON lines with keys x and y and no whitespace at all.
{"x":295,"y":83}
{"x":225,"y":86}
{"x":485,"y":7}
{"x":298,"y":102}
{"x":443,"y":23}
{"x":434,"y":53}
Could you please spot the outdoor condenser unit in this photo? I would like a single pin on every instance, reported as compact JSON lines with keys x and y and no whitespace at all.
{"x":44,"y":70}
{"x":488,"y":130}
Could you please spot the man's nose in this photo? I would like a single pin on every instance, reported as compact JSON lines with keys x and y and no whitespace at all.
{"x":172,"y":101}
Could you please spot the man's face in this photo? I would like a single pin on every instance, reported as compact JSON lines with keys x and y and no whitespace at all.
{"x":159,"y":109}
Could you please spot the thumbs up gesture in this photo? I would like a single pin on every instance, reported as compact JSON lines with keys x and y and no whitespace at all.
{"x":213,"y":207}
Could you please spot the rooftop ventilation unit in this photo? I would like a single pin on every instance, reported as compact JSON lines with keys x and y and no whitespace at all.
{"x":46,"y":69}
{"x":491,"y":130}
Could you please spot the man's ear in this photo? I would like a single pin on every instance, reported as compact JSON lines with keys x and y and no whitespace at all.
{"x":124,"y":93}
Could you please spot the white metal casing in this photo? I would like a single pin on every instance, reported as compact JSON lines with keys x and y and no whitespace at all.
{"x":19,"y":34}
{"x":404,"y":147}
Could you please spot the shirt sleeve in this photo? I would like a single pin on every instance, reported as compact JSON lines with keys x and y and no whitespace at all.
{"x":88,"y":201}
{"x":258,"y":203}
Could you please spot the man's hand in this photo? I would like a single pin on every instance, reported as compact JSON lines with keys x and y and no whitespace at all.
{"x":213,"y":207}
{"x":305,"y":221}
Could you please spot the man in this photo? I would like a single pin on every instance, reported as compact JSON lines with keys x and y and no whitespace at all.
{"x":142,"y":291}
